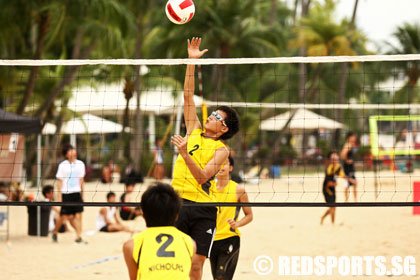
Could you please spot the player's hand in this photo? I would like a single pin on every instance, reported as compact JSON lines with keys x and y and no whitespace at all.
{"x":181,"y":143}
{"x":194,"y":48}
{"x":232,"y":223}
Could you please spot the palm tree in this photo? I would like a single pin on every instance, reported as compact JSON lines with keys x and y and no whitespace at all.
{"x":88,"y":28}
{"x":408,"y":37}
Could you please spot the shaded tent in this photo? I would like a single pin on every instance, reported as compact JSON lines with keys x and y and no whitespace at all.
{"x":11,"y":149}
{"x":12,"y":146}
{"x":12,"y":123}
{"x":302,"y":120}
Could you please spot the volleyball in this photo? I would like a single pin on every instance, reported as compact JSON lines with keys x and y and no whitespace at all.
{"x":180,"y":11}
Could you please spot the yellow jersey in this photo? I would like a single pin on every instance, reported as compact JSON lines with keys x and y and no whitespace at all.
{"x":228,"y":194}
{"x":163,"y":253}
{"x":201,"y":150}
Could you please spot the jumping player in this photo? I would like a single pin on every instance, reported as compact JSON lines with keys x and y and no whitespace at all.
{"x":161,"y":251}
{"x":333,"y":170}
{"x":201,"y":156}
{"x":225,"y":252}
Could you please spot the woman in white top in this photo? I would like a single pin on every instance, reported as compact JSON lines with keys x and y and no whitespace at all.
{"x":106,"y":214}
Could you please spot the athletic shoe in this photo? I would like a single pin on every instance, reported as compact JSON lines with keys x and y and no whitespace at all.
{"x":80,"y":241}
{"x":54,"y":237}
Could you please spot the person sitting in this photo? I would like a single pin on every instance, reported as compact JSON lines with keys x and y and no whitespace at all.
{"x":106,"y":215}
{"x":110,"y":171}
{"x":129,"y":213}
{"x":48,"y":193}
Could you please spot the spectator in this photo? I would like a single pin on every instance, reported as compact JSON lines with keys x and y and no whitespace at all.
{"x":106,"y":215}
{"x":48,"y":193}
{"x":159,"y":170}
{"x":70,"y":179}
{"x":129,"y":213}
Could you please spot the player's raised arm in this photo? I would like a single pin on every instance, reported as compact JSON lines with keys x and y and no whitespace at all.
{"x":190,"y":114}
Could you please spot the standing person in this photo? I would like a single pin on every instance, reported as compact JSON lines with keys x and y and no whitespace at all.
{"x":201,"y":155}
{"x":70,"y":185}
{"x":106,"y":215}
{"x":161,"y":251}
{"x":159,"y":170}
{"x":333,"y":170}
{"x":225,"y":252}
{"x":126,"y":212}
{"x":346,"y":155}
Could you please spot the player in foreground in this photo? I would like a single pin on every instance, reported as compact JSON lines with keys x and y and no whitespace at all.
{"x":161,"y":251}
{"x":201,"y":155}
{"x":225,"y":252}
{"x":333,"y":170}
{"x":346,"y":155}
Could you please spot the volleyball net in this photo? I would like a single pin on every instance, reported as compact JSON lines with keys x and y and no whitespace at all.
{"x":120,"y":115}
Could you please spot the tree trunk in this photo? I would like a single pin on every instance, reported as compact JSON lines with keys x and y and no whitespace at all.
{"x":302,"y":52}
{"x":138,"y":124}
{"x":274,"y":4}
{"x":343,"y":82}
{"x":42,"y":32}
{"x":69,"y":76}
{"x":51,"y":158}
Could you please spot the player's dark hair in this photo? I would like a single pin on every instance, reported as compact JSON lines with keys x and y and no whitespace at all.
{"x":130,"y":182}
{"x":231,"y":120}
{"x":331,"y":153}
{"x":66,"y":148}
{"x":108,"y":195}
{"x":161,"y":205}
{"x":47,"y":189}
{"x":350,"y":134}
{"x":231,"y":161}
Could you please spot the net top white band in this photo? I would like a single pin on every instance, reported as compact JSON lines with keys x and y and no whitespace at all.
{"x":211,"y":61}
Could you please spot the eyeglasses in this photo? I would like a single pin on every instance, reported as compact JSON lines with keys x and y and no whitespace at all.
{"x":218,"y":117}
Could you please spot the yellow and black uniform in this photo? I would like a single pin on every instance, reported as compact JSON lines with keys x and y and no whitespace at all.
{"x":201,"y":150}
{"x":199,"y":222}
{"x":163,"y":253}
{"x":331,"y":173}
{"x":225,"y":252}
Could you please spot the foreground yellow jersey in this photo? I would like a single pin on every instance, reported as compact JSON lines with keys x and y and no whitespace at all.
{"x":163,"y":253}
{"x":201,"y":150}
{"x":228,"y":194}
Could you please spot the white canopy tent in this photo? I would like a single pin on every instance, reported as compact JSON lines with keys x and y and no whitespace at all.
{"x":109,"y":100}
{"x":301,"y":121}
{"x":86,"y":124}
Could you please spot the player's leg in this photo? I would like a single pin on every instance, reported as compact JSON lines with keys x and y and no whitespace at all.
{"x":325,"y":215}
{"x":332,"y":212}
{"x":228,"y":258}
{"x":201,"y":223}
{"x":197,"y":267}
{"x":346,"y":193}
{"x":62,"y":219}
{"x":114,"y":227}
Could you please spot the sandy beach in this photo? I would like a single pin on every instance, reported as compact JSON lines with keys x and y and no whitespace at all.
{"x":275,"y":231}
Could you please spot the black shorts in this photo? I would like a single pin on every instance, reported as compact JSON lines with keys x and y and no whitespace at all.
{"x":329,"y":196}
{"x":350,"y":172}
{"x":104,"y":228}
{"x":199,"y":222}
{"x":71,"y":210}
{"x":224,"y":257}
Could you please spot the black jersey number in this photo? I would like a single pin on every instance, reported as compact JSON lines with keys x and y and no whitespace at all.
{"x":162,"y":253}
{"x":193,"y":150}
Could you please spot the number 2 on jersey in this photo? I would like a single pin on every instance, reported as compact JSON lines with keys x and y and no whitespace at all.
{"x":162,"y":253}
{"x":193,"y":150}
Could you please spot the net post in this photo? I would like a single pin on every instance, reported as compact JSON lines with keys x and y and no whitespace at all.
{"x":38,"y":184}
